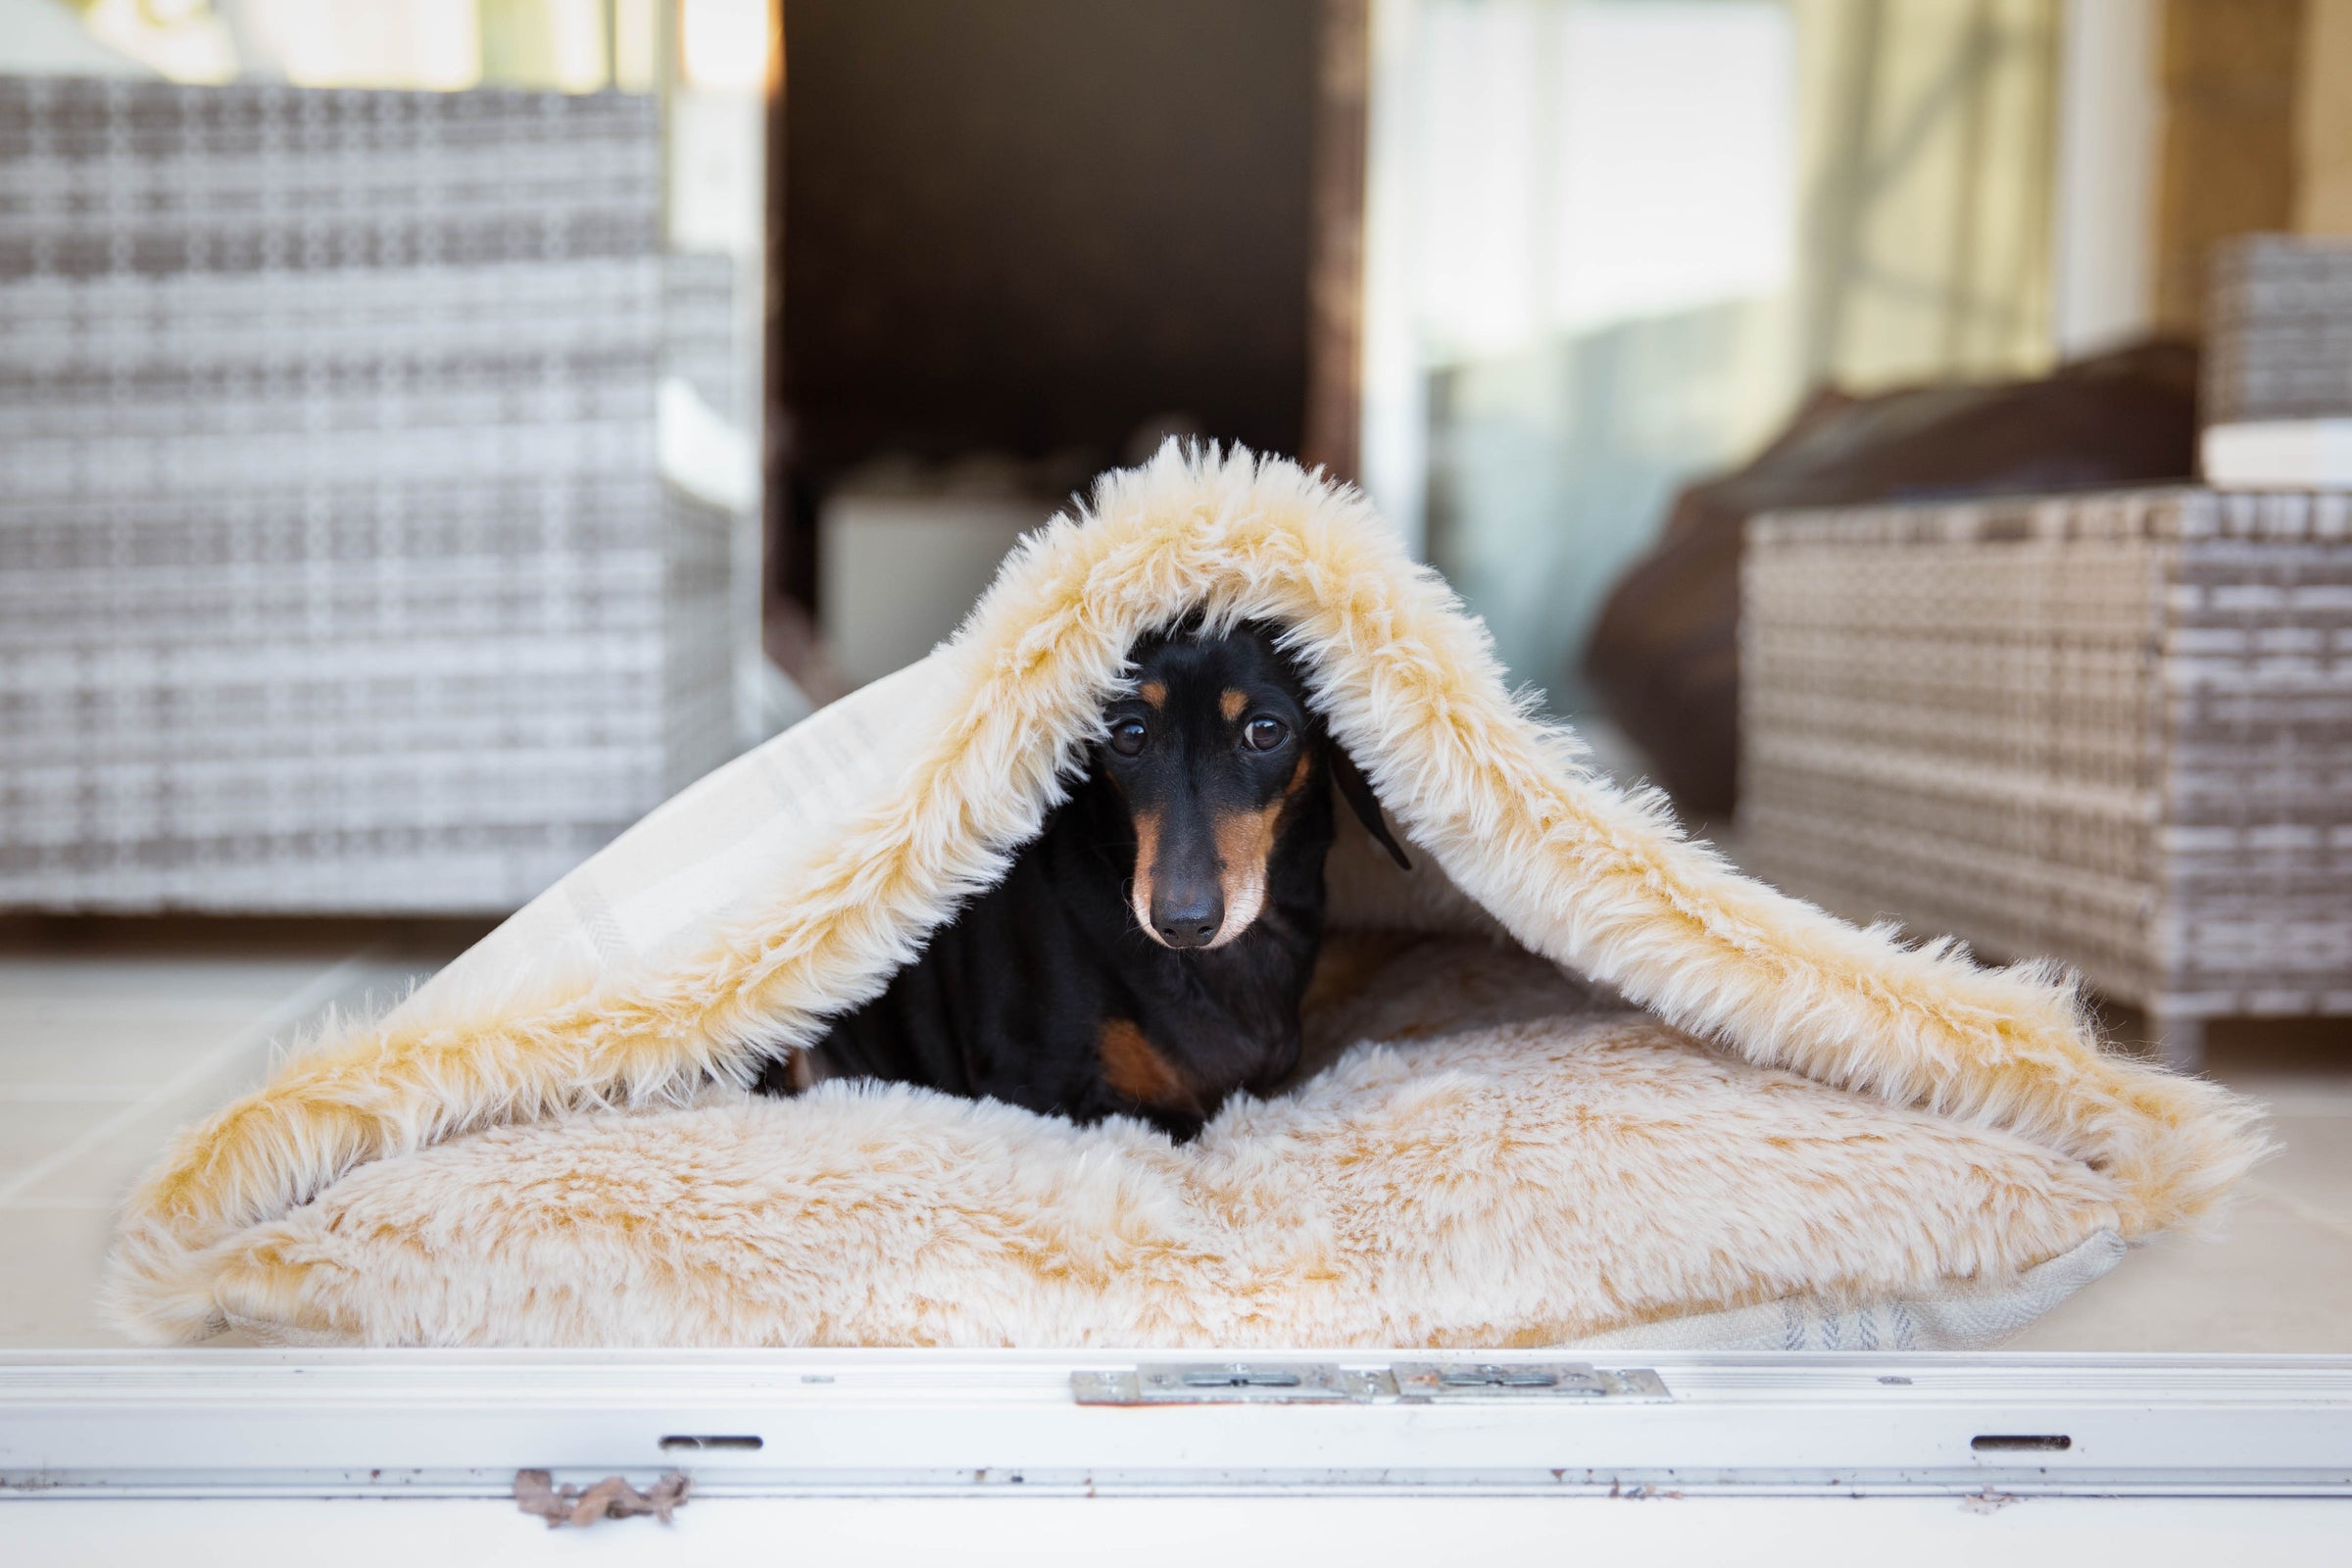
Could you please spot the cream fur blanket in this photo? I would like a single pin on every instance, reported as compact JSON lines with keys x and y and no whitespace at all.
{"x":544,"y":1146}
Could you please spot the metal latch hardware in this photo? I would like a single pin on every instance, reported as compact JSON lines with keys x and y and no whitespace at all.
{"x":1554,"y":1380}
{"x":1230,"y":1383}
{"x":1328,"y":1383}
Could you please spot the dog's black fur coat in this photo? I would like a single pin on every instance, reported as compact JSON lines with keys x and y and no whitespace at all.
{"x":1047,"y":992}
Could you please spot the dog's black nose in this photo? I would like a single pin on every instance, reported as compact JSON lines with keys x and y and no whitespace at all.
{"x":1188,"y":917}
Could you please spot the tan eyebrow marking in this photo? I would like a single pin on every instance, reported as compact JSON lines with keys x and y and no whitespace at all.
{"x":1155,"y":693}
{"x":1231,"y":704}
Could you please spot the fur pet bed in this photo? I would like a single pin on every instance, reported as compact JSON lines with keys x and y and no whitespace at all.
{"x":1809,"y":1134}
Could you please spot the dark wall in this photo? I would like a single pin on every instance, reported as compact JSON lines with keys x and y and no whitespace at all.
{"x":1028,"y":224}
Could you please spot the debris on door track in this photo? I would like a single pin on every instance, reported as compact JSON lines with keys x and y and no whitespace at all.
{"x":1987,"y":1500}
{"x":613,"y":1498}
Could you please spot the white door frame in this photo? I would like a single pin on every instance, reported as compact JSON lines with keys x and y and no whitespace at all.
{"x":878,"y":1423}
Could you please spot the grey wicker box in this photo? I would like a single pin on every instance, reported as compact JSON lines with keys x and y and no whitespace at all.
{"x":2277,"y":399}
{"x":2114,"y":729}
{"x":337,"y":571}
{"x":2278,"y":330}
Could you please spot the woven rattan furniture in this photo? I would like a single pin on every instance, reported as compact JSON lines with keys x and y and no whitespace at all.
{"x":2278,"y":330}
{"x":2277,"y":399}
{"x":2115,"y":729}
{"x":337,"y":567}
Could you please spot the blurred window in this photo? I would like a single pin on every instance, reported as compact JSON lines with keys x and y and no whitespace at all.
{"x":564,"y":45}
{"x":1631,"y":235}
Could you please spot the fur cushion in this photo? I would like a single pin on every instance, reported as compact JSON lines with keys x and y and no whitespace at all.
{"x":1489,"y":1164}
{"x":413,"y":1177}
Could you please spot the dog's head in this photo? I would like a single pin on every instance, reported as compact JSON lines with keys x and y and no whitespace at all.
{"x":1217,"y":757}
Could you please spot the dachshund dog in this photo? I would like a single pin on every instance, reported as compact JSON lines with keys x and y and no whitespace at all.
{"x":1148,"y":953}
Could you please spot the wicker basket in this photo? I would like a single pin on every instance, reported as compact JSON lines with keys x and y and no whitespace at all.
{"x":337,"y":571}
{"x":2115,"y":729}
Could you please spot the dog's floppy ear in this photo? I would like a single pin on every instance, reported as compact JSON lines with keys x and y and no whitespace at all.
{"x":1358,"y":790}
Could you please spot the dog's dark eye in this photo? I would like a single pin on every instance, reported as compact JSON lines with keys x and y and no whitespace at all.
{"x":1127,"y":736}
{"x":1264,"y":733}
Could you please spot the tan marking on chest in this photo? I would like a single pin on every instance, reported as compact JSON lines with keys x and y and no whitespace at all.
{"x":1133,"y":1066}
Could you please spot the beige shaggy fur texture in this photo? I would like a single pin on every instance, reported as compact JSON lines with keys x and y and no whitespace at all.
{"x":1493,"y":1164}
{"x":1573,"y":869}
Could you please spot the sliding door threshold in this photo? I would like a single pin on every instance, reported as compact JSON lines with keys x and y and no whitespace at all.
{"x":879,"y":1423}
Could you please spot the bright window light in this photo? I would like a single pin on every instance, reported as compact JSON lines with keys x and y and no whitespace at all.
{"x":722,"y":44}
{"x":1589,"y":160}
{"x":433,"y":44}
{"x":181,"y":41}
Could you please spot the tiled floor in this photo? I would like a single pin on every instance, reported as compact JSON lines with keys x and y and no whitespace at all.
{"x":2278,"y":1274}
{"x":112,"y":1034}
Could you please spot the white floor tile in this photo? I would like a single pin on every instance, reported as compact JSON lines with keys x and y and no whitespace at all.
{"x":2313,"y":1163}
{"x":29,"y":1133}
{"x":49,"y":1289}
{"x":102,"y":1059}
{"x":2271,"y":1281}
{"x":130,"y":1053}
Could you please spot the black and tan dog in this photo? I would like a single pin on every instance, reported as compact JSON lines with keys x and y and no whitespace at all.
{"x":1147,"y":953}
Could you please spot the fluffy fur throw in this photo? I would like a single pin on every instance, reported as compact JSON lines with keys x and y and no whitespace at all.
{"x":541,"y":1146}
